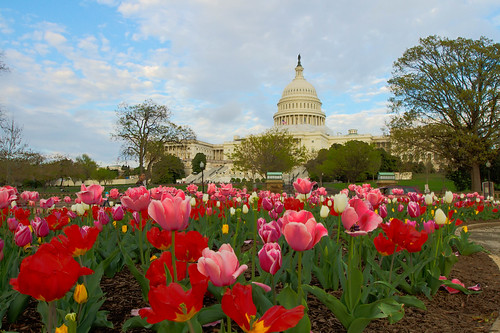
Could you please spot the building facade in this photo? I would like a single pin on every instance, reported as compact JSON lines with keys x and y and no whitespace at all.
{"x":298,"y":111}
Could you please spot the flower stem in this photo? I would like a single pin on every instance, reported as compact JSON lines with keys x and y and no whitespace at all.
{"x":141,"y":250}
{"x":172,"y":250}
{"x":190,"y":325}
{"x":338,"y":228}
{"x":254,"y":243}
{"x":274,"y":289}
{"x":52,"y":315}
{"x":299,"y":276}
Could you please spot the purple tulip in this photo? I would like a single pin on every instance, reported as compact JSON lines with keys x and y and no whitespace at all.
{"x":40,"y":227}
{"x":23,"y":236}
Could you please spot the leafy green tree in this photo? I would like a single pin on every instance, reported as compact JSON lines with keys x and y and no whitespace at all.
{"x":104,"y":175}
{"x":388,"y":163}
{"x":446,"y":101}
{"x":167,"y":170}
{"x":195,"y":163}
{"x":137,"y":126}
{"x":316,"y":167}
{"x":274,"y":150}
{"x":353,"y":160}
{"x":85,"y":167}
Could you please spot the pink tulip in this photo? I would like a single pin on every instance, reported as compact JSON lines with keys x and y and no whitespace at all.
{"x":46,"y":203}
{"x":136,"y":198}
{"x":429,"y":226}
{"x":67,"y":199}
{"x":102,"y":216}
{"x":226,"y":189}
{"x":170,"y":213}
{"x":375,"y":198}
{"x":23,"y":236}
{"x":303,"y":186}
{"x":358,"y":219}
{"x":382,"y":211}
{"x":221,"y":267}
{"x":267,"y":204}
{"x":414,"y":209}
{"x":270,"y":232}
{"x":301,"y":230}
{"x":211,"y":189}
{"x":91,"y":195}
{"x":117,"y":212}
{"x":98,"y":225}
{"x":114,"y":193}
{"x":12,"y":223}
{"x":192,"y":188}
{"x":5,"y":198}
{"x":278,"y":207}
{"x":40,"y":227}
{"x":401,"y":208}
{"x":30,"y":196}
{"x":270,"y":257}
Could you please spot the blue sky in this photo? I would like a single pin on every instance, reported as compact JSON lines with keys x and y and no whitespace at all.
{"x":219,"y":65}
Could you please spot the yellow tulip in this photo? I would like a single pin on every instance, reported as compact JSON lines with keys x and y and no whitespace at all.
{"x":225,"y":228}
{"x":80,"y":295}
{"x":465,"y":229}
{"x":124,"y":228}
{"x":62,"y":329}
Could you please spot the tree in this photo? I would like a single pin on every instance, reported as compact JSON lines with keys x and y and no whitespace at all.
{"x":140,"y":125}
{"x":104,"y":175}
{"x":388,"y":163}
{"x":85,"y":167}
{"x":167,"y":170}
{"x":316,"y":167}
{"x":12,"y":147}
{"x":195,"y":163}
{"x":274,"y":150}
{"x":446,"y":101}
{"x":352,"y":160}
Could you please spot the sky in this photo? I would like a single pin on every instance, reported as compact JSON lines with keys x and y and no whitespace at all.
{"x":219,"y":65}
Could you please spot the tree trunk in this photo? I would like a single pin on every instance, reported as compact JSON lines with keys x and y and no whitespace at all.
{"x":475,"y":174}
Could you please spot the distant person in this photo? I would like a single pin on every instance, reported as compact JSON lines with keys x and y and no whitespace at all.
{"x":141,"y":181}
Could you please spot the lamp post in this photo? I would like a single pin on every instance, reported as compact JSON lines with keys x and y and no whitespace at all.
{"x":488,"y":166}
{"x":202,"y":167}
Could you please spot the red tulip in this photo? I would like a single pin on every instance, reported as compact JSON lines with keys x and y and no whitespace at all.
{"x":399,"y":236}
{"x":78,"y":240}
{"x":156,"y":271}
{"x":189,"y":246}
{"x":160,"y":239}
{"x":238,"y":305}
{"x":301,"y":230}
{"x":58,"y":218}
{"x":48,"y":274}
{"x":173,"y":303}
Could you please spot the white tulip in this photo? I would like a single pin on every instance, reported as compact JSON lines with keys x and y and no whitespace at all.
{"x":429,"y":199}
{"x":244,"y":209}
{"x":324,"y":211}
{"x":448,"y":197}
{"x":192,"y":201}
{"x":205,"y":198}
{"x":340,"y":202}
{"x":232,"y":211}
{"x":439,"y":217}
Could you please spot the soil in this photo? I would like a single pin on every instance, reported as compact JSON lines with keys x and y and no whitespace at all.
{"x":445,"y":312}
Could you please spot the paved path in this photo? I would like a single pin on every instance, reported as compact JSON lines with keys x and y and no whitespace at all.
{"x":488,"y":235}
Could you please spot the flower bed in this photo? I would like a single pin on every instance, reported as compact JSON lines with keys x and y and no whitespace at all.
{"x":358,"y":257}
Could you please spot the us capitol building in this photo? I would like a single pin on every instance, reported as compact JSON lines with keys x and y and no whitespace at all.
{"x":299,"y":112}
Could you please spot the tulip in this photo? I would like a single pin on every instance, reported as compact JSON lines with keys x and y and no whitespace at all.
{"x":239,"y":306}
{"x":324,"y":211}
{"x":40,"y":227}
{"x":48,"y":274}
{"x":244,"y":209}
{"x":448,"y":197}
{"x":136,"y":199}
{"x":160,"y":239}
{"x":78,"y":241}
{"x":23,"y":236}
{"x":91,"y":195}
{"x":414,"y":209}
{"x":270,"y":232}
{"x":12,"y":223}
{"x":429,"y":198}
{"x":267,"y":204}
{"x":382,"y":211}
{"x":80,"y":294}
{"x":232,"y":211}
{"x":303,"y":186}
{"x":301,"y":230}
{"x":340,"y":202}
{"x":117,"y":212}
{"x":102,"y":216}
{"x":67,"y":199}
{"x":359,"y":219}
{"x":270,"y":257}
{"x":225,"y":229}
{"x":439,"y":217}
{"x":46,"y":203}
{"x":222,"y":267}
{"x":170,"y":213}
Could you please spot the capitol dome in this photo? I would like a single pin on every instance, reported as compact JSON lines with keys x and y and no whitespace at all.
{"x":299,"y":107}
